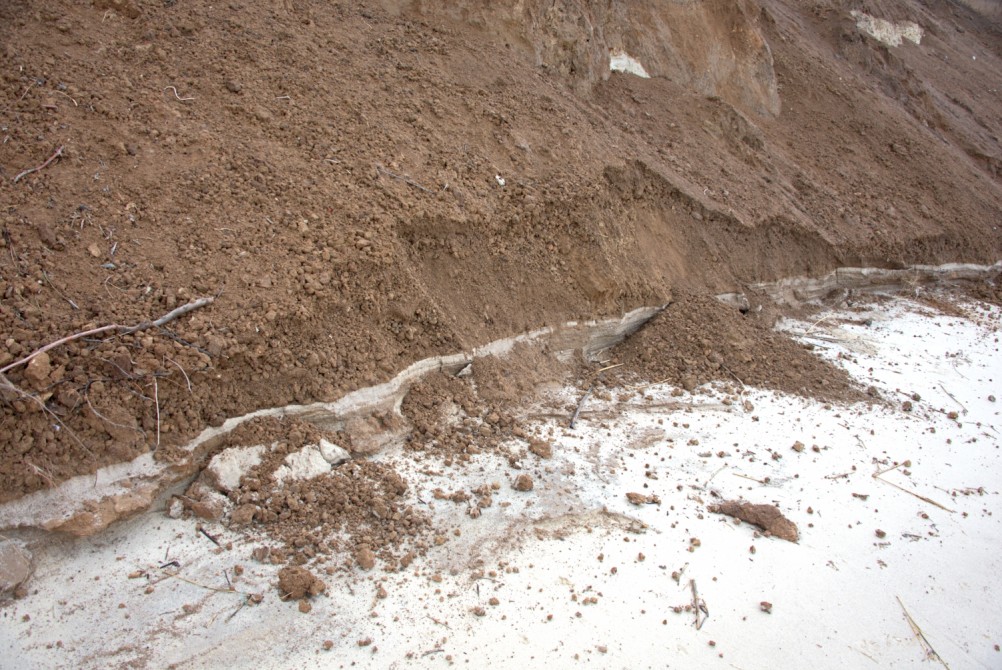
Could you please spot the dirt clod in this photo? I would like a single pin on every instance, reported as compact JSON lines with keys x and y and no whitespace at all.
{"x":365,"y":557}
{"x":243,"y":515}
{"x":297,"y":582}
{"x":522,"y":483}
{"x":766,"y":517}
{"x":541,"y":448}
{"x":641,"y":499}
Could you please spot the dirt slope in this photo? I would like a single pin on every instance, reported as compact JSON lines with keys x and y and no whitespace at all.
{"x":361,"y":185}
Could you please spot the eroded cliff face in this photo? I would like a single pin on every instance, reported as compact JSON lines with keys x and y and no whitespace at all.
{"x":717,"y":47}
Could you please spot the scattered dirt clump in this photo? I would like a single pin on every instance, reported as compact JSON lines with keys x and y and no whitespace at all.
{"x":766,"y":517}
{"x":452,"y":421}
{"x":542,"y":448}
{"x":16,"y":567}
{"x":359,"y":500}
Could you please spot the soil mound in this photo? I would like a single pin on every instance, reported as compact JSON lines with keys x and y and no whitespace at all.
{"x":697,"y":339}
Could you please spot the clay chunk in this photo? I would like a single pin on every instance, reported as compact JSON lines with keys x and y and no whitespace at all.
{"x":641,"y":499}
{"x":766,"y":517}
{"x":296,"y":582}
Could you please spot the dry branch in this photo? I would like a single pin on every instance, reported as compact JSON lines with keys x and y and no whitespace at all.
{"x":122,"y":330}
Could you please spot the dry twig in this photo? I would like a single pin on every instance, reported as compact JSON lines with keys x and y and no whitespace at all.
{"x":760,"y":481}
{"x":156,"y":400}
{"x":580,"y":405}
{"x":171,"y":88}
{"x":824,"y":318}
{"x":211,"y":538}
{"x":109,"y":421}
{"x":58,"y":292}
{"x":41,"y":472}
{"x":403,"y":178}
{"x":962,"y":406}
{"x":54,"y":156}
{"x":27,"y":90}
{"x":876,"y":475}
{"x":68,"y":96}
{"x":186,"y":379}
{"x":930,"y":653}
{"x":698,"y":606}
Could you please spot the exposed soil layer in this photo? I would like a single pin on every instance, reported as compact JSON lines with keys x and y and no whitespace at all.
{"x":362,"y":185}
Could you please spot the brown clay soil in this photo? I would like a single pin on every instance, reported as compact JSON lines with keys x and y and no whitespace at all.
{"x":332,"y":174}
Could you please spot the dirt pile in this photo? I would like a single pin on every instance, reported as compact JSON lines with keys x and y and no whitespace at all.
{"x":361,"y":186}
{"x":697,"y":339}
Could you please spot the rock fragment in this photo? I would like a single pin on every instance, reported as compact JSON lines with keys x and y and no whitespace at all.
{"x":38,"y":369}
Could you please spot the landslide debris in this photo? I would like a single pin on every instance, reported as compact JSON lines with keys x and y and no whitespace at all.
{"x":472,"y":171}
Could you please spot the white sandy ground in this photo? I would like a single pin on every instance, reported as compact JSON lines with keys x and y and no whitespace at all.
{"x":836,"y":597}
